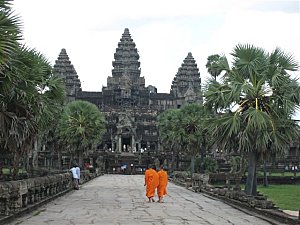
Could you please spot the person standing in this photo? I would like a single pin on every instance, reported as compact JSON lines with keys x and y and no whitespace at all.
{"x":78,"y":174}
{"x":75,"y":170}
{"x":151,"y":182}
{"x":163,"y":182}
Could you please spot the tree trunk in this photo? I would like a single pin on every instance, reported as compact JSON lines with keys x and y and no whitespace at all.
{"x":59,"y":158}
{"x":177,"y":161}
{"x":173,"y":161}
{"x":16,"y":161}
{"x":80,"y":158}
{"x":202,"y":168}
{"x":193,"y":164}
{"x":265,"y":175}
{"x":26,"y":162}
{"x":35,"y":152}
{"x":251,"y":183}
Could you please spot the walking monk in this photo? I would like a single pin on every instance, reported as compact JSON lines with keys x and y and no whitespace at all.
{"x":151,"y":182}
{"x":163,"y":182}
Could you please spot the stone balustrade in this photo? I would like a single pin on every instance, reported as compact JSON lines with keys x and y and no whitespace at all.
{"x":200,"y":183}
{"x":16,"y":196}
{"x":182,"y":178}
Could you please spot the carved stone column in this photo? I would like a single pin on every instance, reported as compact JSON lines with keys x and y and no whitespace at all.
{"x":112,"y":145}
{"x":132,"y":143}
{"x":119,"y":143}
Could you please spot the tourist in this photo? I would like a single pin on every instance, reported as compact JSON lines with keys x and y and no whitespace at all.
{"x":75,"y":170}
{"x":163,"y":182}
{"x":151,"y":182}
{"x":78,"y":173}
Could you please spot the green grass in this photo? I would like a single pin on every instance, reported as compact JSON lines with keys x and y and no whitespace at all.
{"x":283,"y":196}
{"x":276,"y":174}
{"x":7,"y":171}
{"x":36,"y":213}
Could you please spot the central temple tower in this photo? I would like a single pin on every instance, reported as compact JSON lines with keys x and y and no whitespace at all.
{"x":126,"y":88}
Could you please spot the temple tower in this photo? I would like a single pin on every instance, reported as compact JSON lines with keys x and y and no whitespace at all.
{"x":126,"y":99}
{"x":186,"y":85}
{"x":126,"y":88}
{"x":66,"y":70}
{"x":126,"y":66}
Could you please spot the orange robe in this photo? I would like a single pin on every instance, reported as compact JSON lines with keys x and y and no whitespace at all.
{"x":151,"y":181}
{"x":163,"y":182}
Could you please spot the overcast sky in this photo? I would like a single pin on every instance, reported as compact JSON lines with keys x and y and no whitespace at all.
{"x":164,"y":32}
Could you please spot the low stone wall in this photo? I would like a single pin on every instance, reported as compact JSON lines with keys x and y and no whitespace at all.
{"x":182,"y":178}
{"x":15,"y":196}
{"x":232,"y":195}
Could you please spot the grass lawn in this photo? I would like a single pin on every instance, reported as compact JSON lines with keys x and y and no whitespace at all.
{"x":276,"y":174}
{"x":284,"y":196}
{"x":6,"y":171}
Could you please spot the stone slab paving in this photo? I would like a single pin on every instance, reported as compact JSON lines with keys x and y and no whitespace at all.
{"x":121,"y":200}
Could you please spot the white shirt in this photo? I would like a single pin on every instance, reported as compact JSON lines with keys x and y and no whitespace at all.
{"x":74,"y":172}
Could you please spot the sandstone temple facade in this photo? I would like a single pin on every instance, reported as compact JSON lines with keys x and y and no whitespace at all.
{"x":130,"y":107}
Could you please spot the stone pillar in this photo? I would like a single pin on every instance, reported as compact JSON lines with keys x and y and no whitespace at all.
{"x":112,"y":145}
{"x":119,"y":143}
{"x":132,"y":143}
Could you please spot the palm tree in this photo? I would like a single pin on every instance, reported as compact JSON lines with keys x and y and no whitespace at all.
{"x":193,"y":132}
{"x":31,"y":96}
{"x":167,"y":122}
{"x":258,"y":100}
{"x":82,"y":126}
{"x":10,"y":34}
{"x":185,"y":128}
{"x":214,"y":65}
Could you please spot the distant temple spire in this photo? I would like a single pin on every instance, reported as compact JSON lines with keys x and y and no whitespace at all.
{"x":66,"y":70}
{"x":126,"y":66}
{"x":187,"y":81}
{"x":126,"y":57}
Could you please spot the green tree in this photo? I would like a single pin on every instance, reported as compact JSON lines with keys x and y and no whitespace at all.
{"x":10,"y":34}
{"x":30,"y":99}
{"x":212,"y":65}
{"x":29,"y":93}
{"x":82,"y":126}
{"x":209,"y":164}
{"x":258,"y":99}
{"x":186,"y":128}
{"x":191,"y":129}
{"x":167,"y":122}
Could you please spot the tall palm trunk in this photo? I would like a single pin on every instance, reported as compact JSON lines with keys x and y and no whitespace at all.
{"x":35,"y":152}
{"x":59,"y":159}
{"x":80,"y":158}
{"x":251,"y":183}
{"x":193,"y":164}
{"x":16,"y":161}
{"x":265,"y":174}
{"x":173,"y":161}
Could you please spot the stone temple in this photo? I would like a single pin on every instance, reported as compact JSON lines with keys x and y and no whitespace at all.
{"x":130,"y":107}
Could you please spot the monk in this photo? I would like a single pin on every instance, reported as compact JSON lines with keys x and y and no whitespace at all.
{"x":163,"y":182}
{"x":151,"y":182}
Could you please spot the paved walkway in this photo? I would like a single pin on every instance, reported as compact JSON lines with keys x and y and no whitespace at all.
{"x":121,"y":200}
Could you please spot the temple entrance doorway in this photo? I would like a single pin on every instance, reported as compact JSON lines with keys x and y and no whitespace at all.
{"x":126,"y":144}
